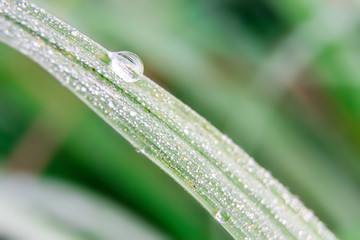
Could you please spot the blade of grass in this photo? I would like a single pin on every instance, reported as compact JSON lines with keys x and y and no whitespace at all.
{"x":240,"y":194}
{"x":32,"y":226}
{"x":113,"y":168}
{"x":72,"y":209}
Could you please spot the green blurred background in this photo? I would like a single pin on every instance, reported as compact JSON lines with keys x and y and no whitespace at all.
{"x":281,"y":78}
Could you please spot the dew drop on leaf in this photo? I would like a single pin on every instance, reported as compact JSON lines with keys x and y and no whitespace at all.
{"x":74,"y":33}
{"x":127,"y":65}
{"x":222,"y":216}
{"x":146,"y":149}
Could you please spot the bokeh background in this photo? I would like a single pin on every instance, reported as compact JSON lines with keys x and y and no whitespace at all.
{"x":281,"y":78}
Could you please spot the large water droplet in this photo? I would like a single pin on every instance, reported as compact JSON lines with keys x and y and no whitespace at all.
{"x":222,"y":216}
{"x":127,"y":65}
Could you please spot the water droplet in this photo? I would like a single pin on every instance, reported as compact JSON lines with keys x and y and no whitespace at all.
{"x":22,"y":4}
{"x":111,"y":105}
{"x":147,"y":149}
{"x":74,"y":33}
{"x":127,"y":65}
{"x":222,"y":216}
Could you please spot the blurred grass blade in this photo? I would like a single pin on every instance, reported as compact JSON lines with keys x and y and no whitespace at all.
{"x":240,"y":194}
{"x":70,"y":208}
{"x":20,"y":223}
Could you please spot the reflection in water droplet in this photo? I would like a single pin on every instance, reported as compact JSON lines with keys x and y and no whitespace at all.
{"x":127,"y":65}
{"x":222,"y":216}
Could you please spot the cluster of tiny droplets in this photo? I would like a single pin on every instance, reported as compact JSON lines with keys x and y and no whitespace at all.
{"x":240,"y":194}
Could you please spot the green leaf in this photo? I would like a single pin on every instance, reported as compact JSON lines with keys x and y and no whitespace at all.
{"x":241,"y":195}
